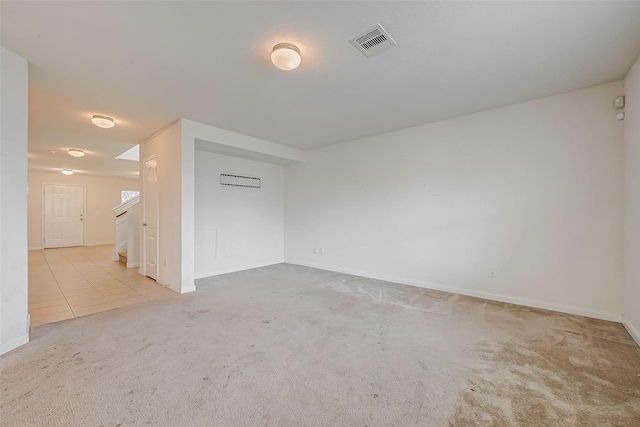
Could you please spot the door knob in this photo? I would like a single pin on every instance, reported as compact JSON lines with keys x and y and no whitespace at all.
{"x":144,"y":224}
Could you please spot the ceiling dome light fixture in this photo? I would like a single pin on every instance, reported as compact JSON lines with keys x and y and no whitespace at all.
{"x":75,"y":153}
{"x":105,"y":122}
{"x":67,"y":171}
{"x":286,"y":56}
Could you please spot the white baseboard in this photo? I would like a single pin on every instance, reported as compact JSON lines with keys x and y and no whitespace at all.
{"x":38,"y":248}
{"x":580,"y":311}
{"x":632,"y":331}
{"x":133,"y":264}
{"x":15,"y":343}
{"x":236,"y":269}
{"x":98,"y":243}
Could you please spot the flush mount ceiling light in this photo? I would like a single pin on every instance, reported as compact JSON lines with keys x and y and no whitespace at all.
{"x":286,"y":56}
{"x":103,"y":121}
{"x":76,"y":153}
{"x":67,"y":171}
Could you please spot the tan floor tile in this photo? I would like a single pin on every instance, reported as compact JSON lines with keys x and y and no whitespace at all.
{"x":53,"y":290}
{"x":115,"y":290}
{"x":45,"y":276}
{"x":43,"y":283}
{"x":68,"y":276}
{"x":87,"y":290}
{"x":43,"y":272}
{"x":88,"y":267}
{"x":116,"y":274}
{"x":60,"y":265}
{"x":33,"y":284}
{"x":126,"y":272}
{"x":138,"y":279}
{"x":83,"y":296}
{"x":87,"y":279}
{"x":78,"y":302}
{"x":35,"y":305}
{"x":55,"y":258}
{"x":110,"y":284}
{"x":125,"y":278}
{"x":113,"y":283}
{"x":50,"y":318}
{"x":84,"y":311}
{"x":70,"y":279}
{"x":77,"y":285}
{"x":64,"y":272}
{"x":144,"y":287}
{"x":44,"y":298}
{"x":62,"y":268}
{"x":37,"y":267}
{"x":49,"y":310}
{"x":122,"y":295}
{"x":78,"y":299}
{"x":129,"y":301}
{"x":105,"y":264}
{"x":97,"y":276}
{"x":111,"y":270}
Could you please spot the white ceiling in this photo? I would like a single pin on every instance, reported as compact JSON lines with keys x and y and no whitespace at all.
{"x":148,"y":64}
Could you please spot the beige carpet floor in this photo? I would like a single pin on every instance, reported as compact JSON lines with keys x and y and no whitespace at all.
{"x":290,"y":346}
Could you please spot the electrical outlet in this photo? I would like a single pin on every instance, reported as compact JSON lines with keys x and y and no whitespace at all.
{"x":320,"y":251}
{"x":315,"y":249}
{"x":492,"y":272}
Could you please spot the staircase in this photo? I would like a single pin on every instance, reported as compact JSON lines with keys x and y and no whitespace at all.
{"x":128,"y":230}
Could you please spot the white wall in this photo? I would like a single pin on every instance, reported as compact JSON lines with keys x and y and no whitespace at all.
{"x":237,"y":228}
{"x":632,"y":202}
{"x":101,"y":195}
{"x":13,"y":200}
{"x":533,"y":189}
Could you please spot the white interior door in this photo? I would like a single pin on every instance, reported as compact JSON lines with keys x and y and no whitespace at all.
{"x":150,"y":220}
{"x":63,"y":215}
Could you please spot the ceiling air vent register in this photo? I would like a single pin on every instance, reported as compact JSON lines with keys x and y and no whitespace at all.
{"x":373,"y":41}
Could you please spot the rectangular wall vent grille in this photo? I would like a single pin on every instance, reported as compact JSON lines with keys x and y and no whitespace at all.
{"x":239,"y":181}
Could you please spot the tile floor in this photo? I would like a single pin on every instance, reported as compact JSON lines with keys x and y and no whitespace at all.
{"x":73,"y":282}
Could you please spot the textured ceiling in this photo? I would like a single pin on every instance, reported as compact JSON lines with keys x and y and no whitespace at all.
{"x":148,"y":64}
